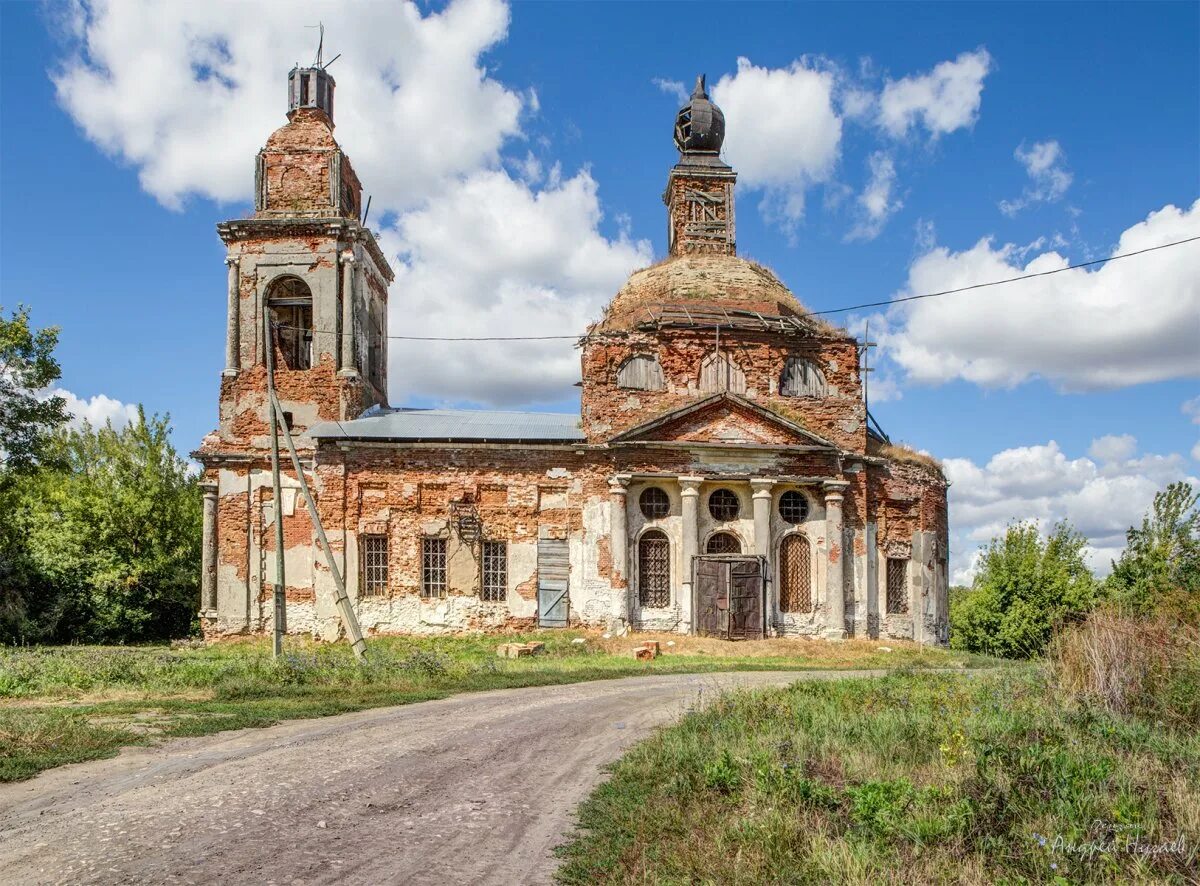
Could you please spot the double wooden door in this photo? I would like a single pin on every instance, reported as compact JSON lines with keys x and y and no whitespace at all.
{"x":728,"y":594}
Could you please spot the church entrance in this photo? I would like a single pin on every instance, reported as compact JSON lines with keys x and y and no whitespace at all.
{"x":728,"y":597}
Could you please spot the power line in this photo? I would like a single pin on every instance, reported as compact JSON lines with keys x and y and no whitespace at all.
{"x":859,"y":307}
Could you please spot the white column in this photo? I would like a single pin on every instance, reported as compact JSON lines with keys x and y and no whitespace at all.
{"x":618,"y":491}
{"x":835,"y":585}
{"x":346,"y":363}
{"x":762,"y":542}
{"x":208,"y":561}
{"x":233,"y":320}
{"x":690,"y":492}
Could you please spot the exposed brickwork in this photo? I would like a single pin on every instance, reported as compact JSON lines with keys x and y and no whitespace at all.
{"x":529,"y":495}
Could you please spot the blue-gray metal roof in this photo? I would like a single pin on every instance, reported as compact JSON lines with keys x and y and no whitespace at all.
{"x":473,"y":425}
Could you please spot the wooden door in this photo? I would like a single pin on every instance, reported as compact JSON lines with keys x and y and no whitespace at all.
{"x":728,"y":597}
{"x":553,"y":580}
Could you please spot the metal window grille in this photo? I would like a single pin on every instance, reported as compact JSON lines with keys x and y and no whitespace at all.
{"x":654,"y":570}
{"x":375,"y":564}
{"x":723,"y":504}
{"x":723,"y":543}
{"x":793,"y":507}
{"x":433,"y":567}
{"x":897,"y":586}
{"x":495,"y":570}
{"x":795,"y":574}
{"x":655,"y":503}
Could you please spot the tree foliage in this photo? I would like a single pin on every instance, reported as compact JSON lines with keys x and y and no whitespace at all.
{"x":1158,"y":573}
{"x":27,"y":366}
{"x":1026,"y":586}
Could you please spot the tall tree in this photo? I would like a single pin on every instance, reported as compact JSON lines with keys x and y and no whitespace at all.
{"x":27,"y":419}
{"x":27,"y":367}
{"x":1159,"y":570}
{"x":1026,"y":586}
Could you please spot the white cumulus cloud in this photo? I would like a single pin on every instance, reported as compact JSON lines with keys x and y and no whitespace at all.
{"x":96,"y":411}
{"x":494,"y":257}
{"x":1101,"y":496}
{"x":1130,"y":321}
{"x":942,"y":100}
{"x":1049,"y":178}
{"x":188,"y":92}
{"x":783,"y":133}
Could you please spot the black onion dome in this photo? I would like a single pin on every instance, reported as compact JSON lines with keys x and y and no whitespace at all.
{"x":699,"y":125}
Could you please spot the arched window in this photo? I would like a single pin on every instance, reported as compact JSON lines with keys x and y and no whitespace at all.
{"x":718,"y":372}
{"x":654,"y":570}
{"x":654,"y":502}
{"x":723,"y":504}
{"x":291,"y":305}
{"x":723,"y":543}
{"x":641,"y":373}
{"x":801,"y":378}
{"x":795,"y":574}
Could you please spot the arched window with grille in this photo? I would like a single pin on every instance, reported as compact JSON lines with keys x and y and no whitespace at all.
{"x":654,"y":570}
{"x":718,"y":372}
{"x":641,"y":372}
{"x":802,"y":378}
{"x":723,"y":543}
{"x":290,"y":302}
{"x":795,"y":574}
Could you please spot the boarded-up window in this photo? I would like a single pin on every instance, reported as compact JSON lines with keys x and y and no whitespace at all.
{"x":897,"y":586}
{"x":654,"y":570}
{"x":718,"y":372}
{"x":795,"y":574}
{"x":641,"y":373}
{"x":723,"y":543}
{"x":495,"y":570}
{"x":433,"y":567}
{"x":375,"y":564}
{"x":801,"y":378}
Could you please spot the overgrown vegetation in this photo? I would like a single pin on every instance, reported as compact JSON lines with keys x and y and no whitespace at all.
{"x":909,"y":778}
{"x":62,"y":704}
{"x":99,"y":527}
{"x":1029,"y":587}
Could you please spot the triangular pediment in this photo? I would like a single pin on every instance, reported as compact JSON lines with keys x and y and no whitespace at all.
{"x":723,"y":419}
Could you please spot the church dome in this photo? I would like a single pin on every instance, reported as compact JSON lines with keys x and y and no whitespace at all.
{"x":700,"y":124}
{"x":702,"y":284}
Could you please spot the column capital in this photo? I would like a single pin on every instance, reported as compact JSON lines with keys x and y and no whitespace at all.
{"x":690,"y":485}
{"x":834,"y":489}
{"x":762,"y":486}
{"x":348,"y":258}
{"x":209,"y":487}
{"x":232,"y":260}
{"x":618,"y":484}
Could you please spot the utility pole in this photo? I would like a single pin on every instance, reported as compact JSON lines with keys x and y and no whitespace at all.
{"x":345,"y":608}
{"x":280,"y":620}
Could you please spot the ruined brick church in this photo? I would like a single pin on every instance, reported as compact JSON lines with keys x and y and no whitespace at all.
{"x":723,"y":478}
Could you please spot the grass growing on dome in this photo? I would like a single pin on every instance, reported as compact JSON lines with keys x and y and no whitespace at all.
{"x":905,"y":454}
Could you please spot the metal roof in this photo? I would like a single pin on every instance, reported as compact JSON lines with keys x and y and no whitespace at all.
{"x":474,"y":425}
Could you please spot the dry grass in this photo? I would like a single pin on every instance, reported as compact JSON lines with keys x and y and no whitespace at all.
{"x":907,"y":455}
{"x":1126,"y":665}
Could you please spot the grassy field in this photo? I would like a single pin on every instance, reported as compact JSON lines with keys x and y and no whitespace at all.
{"x":70,"y":703}
{"x":912,"y":778}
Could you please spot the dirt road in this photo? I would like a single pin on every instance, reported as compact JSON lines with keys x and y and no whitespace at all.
{"x":478,"y":788}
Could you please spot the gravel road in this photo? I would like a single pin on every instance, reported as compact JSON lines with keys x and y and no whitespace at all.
{"x":477,"y":788}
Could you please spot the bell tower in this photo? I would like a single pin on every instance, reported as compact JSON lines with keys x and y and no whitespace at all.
{"x":699,"y":193}
{"x":305,"y":267}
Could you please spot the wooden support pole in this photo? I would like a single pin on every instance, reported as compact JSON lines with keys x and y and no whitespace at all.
{"x":279,"y":599}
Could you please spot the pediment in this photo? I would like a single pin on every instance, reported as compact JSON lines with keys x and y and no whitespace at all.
{"x":726,"y":420}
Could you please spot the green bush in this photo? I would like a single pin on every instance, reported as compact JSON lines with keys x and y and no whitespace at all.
{"x":1025,"y":588}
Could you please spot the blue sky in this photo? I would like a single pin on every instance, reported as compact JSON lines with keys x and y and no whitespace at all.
{"x":905,"y":131}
